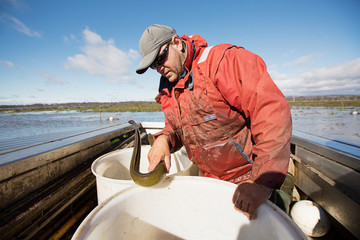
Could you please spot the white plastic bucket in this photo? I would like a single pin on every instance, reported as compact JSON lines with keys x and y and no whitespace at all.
{"x":112,"y":169}
{"x":183,"y":208}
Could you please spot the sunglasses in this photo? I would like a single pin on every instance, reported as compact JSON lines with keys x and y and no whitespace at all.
{"x":159,"y":60}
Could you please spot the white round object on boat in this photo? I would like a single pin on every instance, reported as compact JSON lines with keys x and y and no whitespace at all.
{"x":113,"y":175}
{"x":184,"y":207}
{"x":311,"y":218}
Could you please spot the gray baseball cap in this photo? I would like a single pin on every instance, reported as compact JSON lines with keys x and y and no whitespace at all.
{"x":150,"y":43}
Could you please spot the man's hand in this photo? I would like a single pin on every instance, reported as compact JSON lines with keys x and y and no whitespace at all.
{"x":248,"y":196}
{"x":160,"y":151}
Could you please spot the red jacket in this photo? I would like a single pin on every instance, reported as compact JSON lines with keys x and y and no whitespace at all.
{"x":228,"y":113}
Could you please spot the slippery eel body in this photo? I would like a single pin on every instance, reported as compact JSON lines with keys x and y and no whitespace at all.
{"x":144,"y":179}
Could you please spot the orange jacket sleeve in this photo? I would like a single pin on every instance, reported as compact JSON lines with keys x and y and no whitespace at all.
{"x":245,"y":84}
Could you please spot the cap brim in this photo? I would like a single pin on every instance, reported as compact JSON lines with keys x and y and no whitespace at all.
{"x":147,"y":61}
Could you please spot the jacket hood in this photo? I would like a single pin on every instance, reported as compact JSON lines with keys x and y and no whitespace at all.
{"x":194,"y":44}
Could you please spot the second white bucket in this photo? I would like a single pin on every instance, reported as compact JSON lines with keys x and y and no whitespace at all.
{"x":112,"y":170}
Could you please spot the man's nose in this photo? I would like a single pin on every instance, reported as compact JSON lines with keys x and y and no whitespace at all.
{"x":159,"y":68}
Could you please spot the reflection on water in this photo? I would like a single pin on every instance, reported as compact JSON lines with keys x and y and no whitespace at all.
{"x":334,"y":123}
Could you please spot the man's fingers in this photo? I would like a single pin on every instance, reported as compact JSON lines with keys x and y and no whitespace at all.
{"x":159,"y":151}
{"x":241,"y":203}
{"x":167,"y":161}
{"x":242,"y":206}
{"x":245,"y":213}
{"x":252,"y":210}
{"x":238,"y":204}
{"x":235,"y":197}
{"x":153,"y":164}
{"x":246,"y":208}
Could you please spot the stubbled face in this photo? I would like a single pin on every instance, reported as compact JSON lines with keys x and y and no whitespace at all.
{"x":172,"y":67}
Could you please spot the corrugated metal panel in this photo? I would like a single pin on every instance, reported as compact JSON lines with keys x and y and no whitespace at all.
{"x":28,"y":169}
{"x":34,"y":146}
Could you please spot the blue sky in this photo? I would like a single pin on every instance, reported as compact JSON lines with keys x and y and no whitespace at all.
{"x":82,"y":51}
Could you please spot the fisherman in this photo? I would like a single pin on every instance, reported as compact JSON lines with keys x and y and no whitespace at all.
{"x":222,"y":105}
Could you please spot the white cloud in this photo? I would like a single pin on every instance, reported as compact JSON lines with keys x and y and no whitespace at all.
{"x":273,"y":66}
{"x":19,"y":26}
{"x":7,"y":64}
{"x":340,"y":79}
{"x":349,"y":70}
{"x":67,"y":39}
{"x":303,"y":60}
{"x":52,"y":79}
{"x":102,"y":58}
{"x":289,"y":53}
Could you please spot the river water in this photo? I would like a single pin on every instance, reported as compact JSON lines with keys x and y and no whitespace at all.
{"x":332,"y":123}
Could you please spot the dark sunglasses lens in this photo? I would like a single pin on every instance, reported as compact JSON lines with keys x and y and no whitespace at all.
{"x":160,"y":59}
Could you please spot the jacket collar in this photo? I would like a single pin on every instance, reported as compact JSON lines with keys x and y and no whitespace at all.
{"x":193,"y":46}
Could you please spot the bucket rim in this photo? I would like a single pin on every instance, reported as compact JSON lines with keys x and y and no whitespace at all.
{"x":98,"y":160}
{"x":168,"y":180}
{"x":101,"y":158}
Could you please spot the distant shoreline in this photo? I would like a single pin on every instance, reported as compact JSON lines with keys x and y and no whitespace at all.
{"x":325,"y":101}
{"x":138,"y":106}
{"x":147,"y":106}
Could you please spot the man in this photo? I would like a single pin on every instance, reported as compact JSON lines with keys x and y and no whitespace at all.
{"x":221,"y":104}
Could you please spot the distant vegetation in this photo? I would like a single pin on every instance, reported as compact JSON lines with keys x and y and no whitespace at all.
{"x":143,"y":106}
{"x":325,"y":101}
{"x":87,"y":107}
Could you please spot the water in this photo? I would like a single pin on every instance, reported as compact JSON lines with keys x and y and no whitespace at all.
{"x":18,"y":125}
{"x":333,"y":123}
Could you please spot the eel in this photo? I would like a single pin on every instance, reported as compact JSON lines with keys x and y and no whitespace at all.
{"x":144,"y":179}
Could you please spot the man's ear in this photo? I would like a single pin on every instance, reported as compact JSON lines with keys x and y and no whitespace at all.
{"x":176,"y":41}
